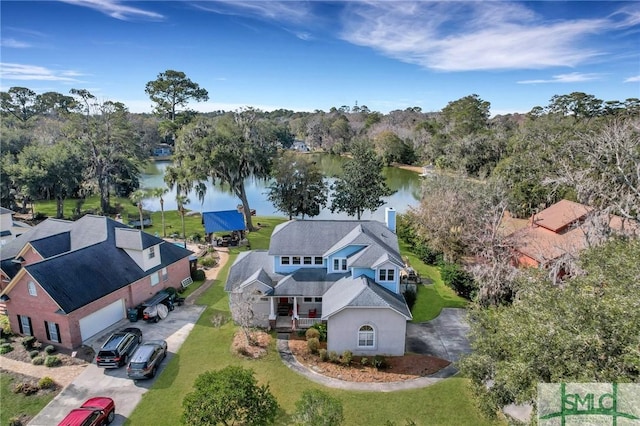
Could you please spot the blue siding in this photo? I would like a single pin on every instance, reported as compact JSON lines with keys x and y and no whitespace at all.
{"x":356,"y":272}
{"x":289,"y":269}
{"x":342,"y":253}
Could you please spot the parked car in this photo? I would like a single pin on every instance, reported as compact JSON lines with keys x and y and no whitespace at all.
{"x":118,"y":348}
{"x":95,"y":411}
{"x":146,"y":359}
{"x":158,"y":306}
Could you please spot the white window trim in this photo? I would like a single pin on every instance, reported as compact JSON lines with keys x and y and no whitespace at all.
{"x":26,"y":328}
{"x":367,"y":332}
{"x":315,"y":260}
{"x":32,"y":289}
{"x":304,"y":260}
{"x":152,"y":252}
{"x":154,"y":277}
{"x":386,"y":275}
{"x":282,"y":258}
{"x":342,"y":261}
{"x":53,"y":332}
{"x":165,"y":274}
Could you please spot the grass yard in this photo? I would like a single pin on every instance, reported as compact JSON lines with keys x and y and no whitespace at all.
{"x":433,"y":297}
{"x":19,"y":403}
{"x":208,"y":347}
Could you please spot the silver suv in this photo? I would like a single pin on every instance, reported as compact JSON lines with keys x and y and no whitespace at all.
{"x":146,"y":359}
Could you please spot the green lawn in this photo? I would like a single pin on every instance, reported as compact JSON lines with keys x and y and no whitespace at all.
{"x":208,"y":348}
{"x":13,"y":403}
{"x":433,"y":297}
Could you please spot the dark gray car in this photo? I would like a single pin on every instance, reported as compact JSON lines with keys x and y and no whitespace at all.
{"x":146,"y":359}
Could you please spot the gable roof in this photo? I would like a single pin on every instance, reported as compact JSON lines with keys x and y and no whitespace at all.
{"x":361,"y":292}
{"x":44,"y":229}
{"x":53,"y":244}
{"x":560,"y":215}
{"x":78,"y":277}
{"x":322,"y":237}
{"x":225,"y":220}
{"x":249,"y":266}
{"x":306,"y":282}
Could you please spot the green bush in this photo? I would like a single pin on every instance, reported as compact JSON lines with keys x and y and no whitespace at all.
{"x":379,"y":362}
{"x":312,"y":333}
{"x":347,"y":357}
{"x":49,"y":349}
{"x":34,"y":353}
{"x":410,"y":298}
{"x":364,"y":361}
{"x":52,"y":361}
{"x":334,"y":357}
{"x":46,"y":383}
{"x":29,"y":342}
{"x":322,"y":328}
{"x":5,"y":326}
{"x":199,"y":275}
{"x":207,"y":262}
{"x":322,"y":353}
{"x":37,"y":360}
{"x":5,"y":348}
{"x":458,"y":279}
{"x":313,"y":344}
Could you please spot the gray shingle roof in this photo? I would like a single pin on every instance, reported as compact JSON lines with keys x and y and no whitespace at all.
{"x":246,"y":265}
{"x":78,"y":277}
{"x":361,"y":292}
{"x":306,"y":282}
{"x":6,"y":211}
{"x":44,"y":229}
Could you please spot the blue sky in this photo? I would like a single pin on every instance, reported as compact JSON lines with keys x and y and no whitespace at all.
{"x":311,"y":55}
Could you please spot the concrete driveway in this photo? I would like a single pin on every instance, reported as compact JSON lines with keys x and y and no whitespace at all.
{"x":114,"y":383}
{"x":443,"y":337}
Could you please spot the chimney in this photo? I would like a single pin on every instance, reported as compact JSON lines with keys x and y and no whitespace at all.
{"x":390,"y":218}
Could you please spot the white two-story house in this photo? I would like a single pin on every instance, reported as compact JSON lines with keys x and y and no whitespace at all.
{"x":345,"y":273}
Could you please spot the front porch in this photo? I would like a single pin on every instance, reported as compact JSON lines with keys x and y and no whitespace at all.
{"x":285,"y":323}
{"x":294,"y":313}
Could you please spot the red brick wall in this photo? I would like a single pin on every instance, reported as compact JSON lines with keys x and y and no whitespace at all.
{"x":31,"y":256}
{"x":42,"y":308}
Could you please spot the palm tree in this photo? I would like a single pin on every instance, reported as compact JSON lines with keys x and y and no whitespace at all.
{"x":159,"y":193}
{"x":182,"y":200}
{"x":137,"y":196}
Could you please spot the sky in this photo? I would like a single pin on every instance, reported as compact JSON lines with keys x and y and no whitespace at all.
{"x":315,"y":55}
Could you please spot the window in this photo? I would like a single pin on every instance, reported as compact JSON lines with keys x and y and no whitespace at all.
{"x":25,"y":325}
{"x":318,"y":299}
{"x":296,"y":260}
{"x":155,"y":279}
{"x":308,"y":299}
{"x":32,"y":289}
{"x":340,"y":264}
{"x":307,"y":260}
{"x":152,"y":252}
{"x":366,"y":337}
{"x":386,"y":275}
{"x":53,"y":331}
{"x":317,"y":260}
{"x":284,"y":260}
{"x":165,"y":274}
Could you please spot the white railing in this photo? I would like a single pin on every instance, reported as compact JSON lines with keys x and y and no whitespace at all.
{"x":307,"y":322}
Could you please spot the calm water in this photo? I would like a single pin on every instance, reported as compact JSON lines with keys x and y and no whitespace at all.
{"x":405,"y":183}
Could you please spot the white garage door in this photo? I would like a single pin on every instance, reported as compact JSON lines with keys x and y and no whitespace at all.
{"x":96,"y":322}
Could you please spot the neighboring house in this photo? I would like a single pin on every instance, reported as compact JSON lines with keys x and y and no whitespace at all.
{"x":64,"y":282}
{"x":300,"y":146}
{"x":162,"y":150}
{"x":561,"y":229}
{"x":9,"y":228}
{"x":344,"y":273}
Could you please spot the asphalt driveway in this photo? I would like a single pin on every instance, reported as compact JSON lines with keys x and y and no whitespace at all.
{"x":443,"y":337}
{"x":126,"y":393}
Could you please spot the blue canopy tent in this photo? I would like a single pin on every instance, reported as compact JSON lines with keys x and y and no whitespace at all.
{"x":231,"y":221}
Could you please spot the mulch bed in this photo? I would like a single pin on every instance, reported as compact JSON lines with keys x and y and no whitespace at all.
{"x":83,"y":355}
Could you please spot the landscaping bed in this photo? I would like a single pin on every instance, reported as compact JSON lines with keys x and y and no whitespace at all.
{"x":83,"y":355}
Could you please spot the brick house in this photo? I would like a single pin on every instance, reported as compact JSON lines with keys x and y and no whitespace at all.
{"x":64,"y":282}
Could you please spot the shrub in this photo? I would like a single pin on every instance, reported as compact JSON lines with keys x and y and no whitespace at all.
{"x":322,"y":328}
{"x":313,"y":344}
{"x":410,"y":298}
{"x":49,"y":349}
{"x":458,"y":279}
{"x":46,"y":383}
{"x":29,"y":342}
{"x":25,"y":388}
{"x":208,"y":262}
{"x":333,"y":357}
{"x":4,"y":340}
{"x":322,"y":353}
{"x":5,"y":326}
{"x":34,"y":353}
{"x":199,"y":275}
{"x":312,"y":333}
{"x":52,"y":361}
{"x":15,"y":421}
{"x":379,"y":362}
{"x":5,"y":348}
{"x":364,"y":361}
{"x":37,"y":360}
{"x":347,"y":357}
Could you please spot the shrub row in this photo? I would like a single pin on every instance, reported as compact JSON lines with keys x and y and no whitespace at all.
{"x":26,"y":388}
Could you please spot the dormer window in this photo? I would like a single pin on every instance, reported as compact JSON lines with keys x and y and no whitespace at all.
{"x":152,"y":252}
{"x":32,"y":289}
{"x":339,"y":264}
{"x":386,"y":275}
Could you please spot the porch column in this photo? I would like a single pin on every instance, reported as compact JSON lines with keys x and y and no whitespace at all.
{"x":272,"y":311}
{"x":295,"y":307}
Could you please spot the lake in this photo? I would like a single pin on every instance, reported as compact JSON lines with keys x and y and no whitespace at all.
{"x":404,"y":182}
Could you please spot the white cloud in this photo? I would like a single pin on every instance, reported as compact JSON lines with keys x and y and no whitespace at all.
{"x":633,"y":79}
{"x":11,"y":42}
{"x":115,"y":9}
{"x":9,"y":71}
{"x":574,"y":77}
{"x":281,"y":11}
{"x":457,"y":36}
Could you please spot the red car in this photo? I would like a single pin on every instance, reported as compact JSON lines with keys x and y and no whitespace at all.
{"x":96,"y":411}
